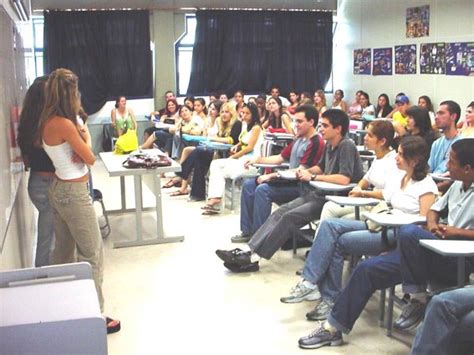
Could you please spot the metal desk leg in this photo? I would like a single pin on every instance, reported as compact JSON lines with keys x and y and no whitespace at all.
{"x":123,"y":202}
{"x":461,"y":271}
{"x":159,"y":216}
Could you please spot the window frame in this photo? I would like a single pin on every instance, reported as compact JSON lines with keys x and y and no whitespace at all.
{"x":178,"y":46}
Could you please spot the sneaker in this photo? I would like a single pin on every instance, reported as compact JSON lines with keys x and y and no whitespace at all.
{"x":411,"y":316}
{"x":252,"y":267}
{"x":234,"y":256}
{"x":240,"y":238}
{"x":320,"y":337}
{"x":302,"y":292}
{"x":321,"y":311}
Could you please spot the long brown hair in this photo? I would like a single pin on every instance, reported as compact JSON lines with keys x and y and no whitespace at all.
{"x":61,"y":97}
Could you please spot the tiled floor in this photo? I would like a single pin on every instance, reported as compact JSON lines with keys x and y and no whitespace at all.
{"x":179,"y":299}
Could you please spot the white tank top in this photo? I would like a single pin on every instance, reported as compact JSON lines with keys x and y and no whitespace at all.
{"x":61,"y":156}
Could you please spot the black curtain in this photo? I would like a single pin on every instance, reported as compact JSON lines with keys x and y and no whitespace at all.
{"x":108,"y":50}
{"x":253,"y":50}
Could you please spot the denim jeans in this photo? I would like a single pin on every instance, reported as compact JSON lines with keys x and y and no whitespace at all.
{"x":256,"y":202}
{"x":446,"y":323}
{"x":376,"y":273}
{"x":285,"y":222}
{"x":38,"y":187}
{"x":420,"y":265}
{"x":334,"y":238}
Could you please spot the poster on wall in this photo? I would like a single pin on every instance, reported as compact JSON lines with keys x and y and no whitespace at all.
{"x":405,"y":59}
{"x":418,"y":21}
{"x":362,"y":61}
{"x":432,"y":58}
{"x":382,"y":61}
{"x":460,"y":58}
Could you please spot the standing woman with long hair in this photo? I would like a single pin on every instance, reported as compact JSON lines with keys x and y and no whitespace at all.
{"x":68,"y":144}
{"x":40,"y":166}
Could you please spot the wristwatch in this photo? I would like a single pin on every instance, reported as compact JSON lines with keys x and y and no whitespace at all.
{"x":313,"y":177}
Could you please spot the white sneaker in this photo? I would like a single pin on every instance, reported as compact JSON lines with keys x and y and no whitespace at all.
{"x":303,"y":291}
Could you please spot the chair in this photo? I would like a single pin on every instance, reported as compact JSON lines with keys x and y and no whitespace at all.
{"x":104,"y":229}
{"x":232,"y":188}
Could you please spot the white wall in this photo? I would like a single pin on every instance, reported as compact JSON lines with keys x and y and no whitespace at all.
{"x":381,"y":23}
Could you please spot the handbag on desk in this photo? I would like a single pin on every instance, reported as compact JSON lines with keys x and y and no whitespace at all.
{"x":146,"y":161}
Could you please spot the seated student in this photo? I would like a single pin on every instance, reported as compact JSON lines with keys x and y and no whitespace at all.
{"x":249,"y":145}
{"x":446,"y":117}
{"x":368,"y":110}
{"x":239,"y":101}
{"x":187,"y":124}
{"x":468,"y":129}
{"x":223,"y":97}
{"x":338,"y":102}
{"x":448,"y":323}
{"x":383,"y":106}
{"x":294,"y":99}
{"x":122,"y":117}
{"x":399,"y":117}
{"x":411,"y":264}
{"x":258,"y":194}
{"x":169,"y":116}
{"x":169,"y":95}
{"x":275,"y":93}
{"x":419,"y":124}
{"x":199,"y":159}
{"x":409,"y":191}
{"x":395,"y":108}
{"x":340,"y":164}
{"x":355,"y":109}
{"x":277,"y":119}
{"x":261,"y":103}
{"x":380,"y":139}
{"x":320,"y":101}
{"x":425,"y":102}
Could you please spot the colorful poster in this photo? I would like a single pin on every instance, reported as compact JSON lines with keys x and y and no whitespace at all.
{"x":362,"y":61}
{"x":460,"y":58}
{"x":405,"y":59}
{"x":418,"y":21}
{"x":382,"y":61}
{"x":432,"y":58}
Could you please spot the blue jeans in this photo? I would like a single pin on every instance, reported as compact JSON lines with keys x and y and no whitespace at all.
{"x":449,"y":320}
{"x":256,"y":202}
{"x":420,"y":265}
{"x":334,"y":238}
{"x":38,"y":187}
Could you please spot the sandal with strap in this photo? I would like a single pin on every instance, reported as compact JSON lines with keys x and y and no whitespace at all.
{"x":179,"y":193}
{"x":211,"y":212}
{"x":172,"y":183}
{"x":113,"y":325}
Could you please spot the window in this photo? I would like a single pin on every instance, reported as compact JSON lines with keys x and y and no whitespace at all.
{"x":32,"y":35}
{"x":184,"y":54}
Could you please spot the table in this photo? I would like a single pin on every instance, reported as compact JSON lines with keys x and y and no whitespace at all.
{"x":455,"y":248}
{"x":330,"y":187}
{"x":113,"y":164}
{"x":395,"y":219}
{"x":357,"y":202}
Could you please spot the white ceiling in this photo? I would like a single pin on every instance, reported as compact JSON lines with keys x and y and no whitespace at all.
{"x":39,"y":5}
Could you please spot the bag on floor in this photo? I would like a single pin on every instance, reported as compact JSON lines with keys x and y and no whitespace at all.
{"x":127,"y":142}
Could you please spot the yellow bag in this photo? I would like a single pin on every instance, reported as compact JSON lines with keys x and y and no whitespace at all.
{"x":127,"y":142}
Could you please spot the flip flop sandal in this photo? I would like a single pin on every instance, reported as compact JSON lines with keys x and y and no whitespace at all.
{"x":210,"y":212}
{"x":179,"y":193}
{"x":172,"y":183}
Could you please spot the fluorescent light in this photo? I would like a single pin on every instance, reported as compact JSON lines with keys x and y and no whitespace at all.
{"x":20,"y":10}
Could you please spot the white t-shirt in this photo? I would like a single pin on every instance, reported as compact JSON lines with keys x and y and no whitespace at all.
{"x":408,"y":200}
{"x":381,"y":170}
